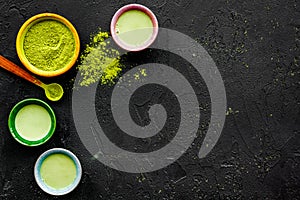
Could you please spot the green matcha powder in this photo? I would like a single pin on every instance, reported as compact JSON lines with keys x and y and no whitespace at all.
{"x":49,"y":45}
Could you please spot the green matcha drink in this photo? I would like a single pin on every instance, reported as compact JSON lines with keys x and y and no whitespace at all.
{"x":33,"y":122}
{"x":134,"y":27}
{"x":58,"y":171}
{"x":49,"y":45}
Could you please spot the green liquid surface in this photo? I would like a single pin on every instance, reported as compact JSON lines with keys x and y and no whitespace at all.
{"x":134,"y":27}
{"x":33,"y":122}
{"x":58,"y":171}
{"x":49,"y":45}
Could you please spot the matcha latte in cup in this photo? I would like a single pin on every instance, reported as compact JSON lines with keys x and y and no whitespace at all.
{"x":57,"y":171}
{"x":134,"y":27}
{"x":48,"y":44}
{"x":32,"y":122}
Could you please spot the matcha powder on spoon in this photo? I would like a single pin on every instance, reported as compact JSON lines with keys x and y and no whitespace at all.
{"x":98,"y":62}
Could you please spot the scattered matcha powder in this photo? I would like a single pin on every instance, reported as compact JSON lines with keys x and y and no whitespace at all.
{"x":143,"y":72}
{"x":139,"y":74}
{"x":98,"y":62}
{"x":231,"y":111}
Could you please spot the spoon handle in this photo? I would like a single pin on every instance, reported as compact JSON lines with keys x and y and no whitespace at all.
{"x":12,"y":67}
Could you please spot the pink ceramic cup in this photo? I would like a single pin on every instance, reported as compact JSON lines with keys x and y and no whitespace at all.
{"x":133,"y":7}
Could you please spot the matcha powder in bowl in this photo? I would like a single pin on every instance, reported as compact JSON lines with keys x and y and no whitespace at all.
{"x":48,"y":44}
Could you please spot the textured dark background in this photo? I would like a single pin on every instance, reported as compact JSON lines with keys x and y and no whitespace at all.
{"x":256,"y":46}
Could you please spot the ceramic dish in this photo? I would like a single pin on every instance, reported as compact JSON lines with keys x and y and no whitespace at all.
{"x":21,"y":37}
{"x":18,"y":115}
{"x":48,"y":189}
{"x":114,"y":29}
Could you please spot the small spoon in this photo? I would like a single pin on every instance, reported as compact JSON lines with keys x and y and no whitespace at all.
{"x":53,"y":91}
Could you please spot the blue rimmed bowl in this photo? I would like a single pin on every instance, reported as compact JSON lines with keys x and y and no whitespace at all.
{"x":48,"y":189}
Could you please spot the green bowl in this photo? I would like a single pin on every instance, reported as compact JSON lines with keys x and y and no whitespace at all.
{"x":12,"y":119}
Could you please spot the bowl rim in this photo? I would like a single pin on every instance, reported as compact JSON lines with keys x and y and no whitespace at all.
{"x":124,"y":9}
{"x":12,"y":116}
{"x":20,"y":38}
{"x":43,"y":185}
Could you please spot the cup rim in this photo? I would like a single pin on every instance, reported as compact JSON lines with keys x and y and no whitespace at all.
{"x":20,"y":39}
{"x":12,"y":116}
{"x":125,"y":9}
{"x":43,"y":185}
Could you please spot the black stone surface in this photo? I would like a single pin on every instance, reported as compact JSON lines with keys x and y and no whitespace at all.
{"x":256,"y":46}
